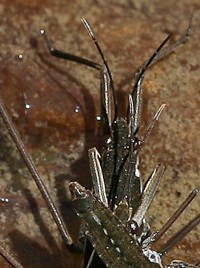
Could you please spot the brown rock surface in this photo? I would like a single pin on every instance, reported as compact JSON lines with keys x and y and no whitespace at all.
{"x":54,"y":105}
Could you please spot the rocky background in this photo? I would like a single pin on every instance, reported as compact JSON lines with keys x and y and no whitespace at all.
{"x":54,"y":105}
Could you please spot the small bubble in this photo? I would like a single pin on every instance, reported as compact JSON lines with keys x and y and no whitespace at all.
{"x":77,"y":109}
{"x":98,"y":117}
{"x":19,"y":57}
{"x":4,"y":199}
{"x":27,"y":106}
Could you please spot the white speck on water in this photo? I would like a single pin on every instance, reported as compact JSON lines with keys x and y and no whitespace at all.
{"x":77,"y":109}
{"x":27,"y":106}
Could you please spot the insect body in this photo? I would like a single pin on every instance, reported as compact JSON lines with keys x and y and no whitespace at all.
{"x":120,"y":161}
{"x":114,"y":243}
{"x":114,"y":214}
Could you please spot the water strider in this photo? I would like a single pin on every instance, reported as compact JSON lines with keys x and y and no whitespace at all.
{"x":116,"y":233}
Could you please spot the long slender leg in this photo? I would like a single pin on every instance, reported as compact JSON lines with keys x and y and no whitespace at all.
{"x":97,"y":176}
{"x":92,"y":35}
{"x":133,"y":177}
{"x":9,"y":258}
{"x":148,"y":194}
{"x":106,"y":78}
{"x":150,"y":127}
{"x":137,"y":88}
{"x":180,"y":235}
{"x":105,"y":73}
{"x":106,"y":102}
{"x":34,"y":173}
{"x":182,"y":40}
{"x":63,"y":55}
{"x":156,"y":56}
{"x":177,"y":213}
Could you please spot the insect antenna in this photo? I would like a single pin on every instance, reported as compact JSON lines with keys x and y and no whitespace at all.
{"x":92,"y":35}
{"x":63,"y":55}
{"x":35,"y":175}
{"x":9,"y":258}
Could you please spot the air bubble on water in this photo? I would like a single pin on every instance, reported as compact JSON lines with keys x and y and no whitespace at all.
{"x":98,"y":117}
{"x":77,"y":109}
{"x":27,"y":106}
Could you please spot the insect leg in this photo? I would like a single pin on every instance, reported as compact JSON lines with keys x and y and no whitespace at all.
{"x":150,"y":128}
{"x":97,"y":176}
{"x":152,"y":124}
{"x":148,"y":195}
{"x":132,"y":189}
{"x":137,"y":88}
{"x":182,"y":40}
{"x":177,"y":213}
{"x":67,"y":56}
{"x":92,"y":35}
{"x":156,"y":56}
{"x":91,"y":259}
{"x":34,"y":173}
{"x":178,"y":236}
{"x":9,"y":258}
{"x":106,"y":100}
{"x":63,"y":55}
